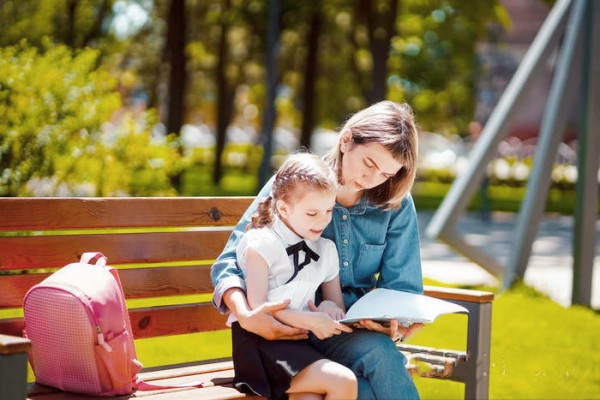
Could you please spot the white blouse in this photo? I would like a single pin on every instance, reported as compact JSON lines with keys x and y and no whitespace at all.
{"x":271,"y":243}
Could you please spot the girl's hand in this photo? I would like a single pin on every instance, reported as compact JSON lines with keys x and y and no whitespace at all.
{"x":395,"y":331}
{"x":323,"y":326}
{"x":329,"y":308}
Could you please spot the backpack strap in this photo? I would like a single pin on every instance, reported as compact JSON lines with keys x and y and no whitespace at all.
{"x":94,"y":258}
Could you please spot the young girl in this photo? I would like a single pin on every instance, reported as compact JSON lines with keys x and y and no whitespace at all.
{"x":284,"y":257}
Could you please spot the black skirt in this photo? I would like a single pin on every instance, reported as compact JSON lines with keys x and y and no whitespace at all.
{"x":267,"y":367}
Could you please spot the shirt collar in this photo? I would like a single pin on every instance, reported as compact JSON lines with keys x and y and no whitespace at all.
{"x":359,"y":208}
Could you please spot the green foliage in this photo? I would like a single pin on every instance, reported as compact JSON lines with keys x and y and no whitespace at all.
{"x":56,"y":138}
{"x":76,"y":23}
{"x":433,"y":59}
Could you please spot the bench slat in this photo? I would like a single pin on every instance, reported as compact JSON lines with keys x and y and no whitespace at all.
{"x":174,"y":320}
{"x":154,"y":321}
{"x":137,"y":283}
{"x":57,"y":251}
{"x":42,"y":213}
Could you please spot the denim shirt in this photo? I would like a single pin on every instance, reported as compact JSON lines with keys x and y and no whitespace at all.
{"x":377,"y":248}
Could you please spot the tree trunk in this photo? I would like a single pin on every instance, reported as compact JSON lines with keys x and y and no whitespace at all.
{"x":176,"y":59}
{"x":70,"y":31}
{"x":310,"y":75}
{"x":379,"y":44}
{"x":175,"y":56}
{"x":224,"y":95}
{"x":269,"y":116}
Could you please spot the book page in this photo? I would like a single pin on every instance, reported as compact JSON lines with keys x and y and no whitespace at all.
{"x":384,"y":304}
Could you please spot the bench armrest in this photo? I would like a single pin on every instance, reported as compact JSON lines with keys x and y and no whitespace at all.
{"x":470,"y":296}
{"x":474,"y":373}
{"x":13,"y":345}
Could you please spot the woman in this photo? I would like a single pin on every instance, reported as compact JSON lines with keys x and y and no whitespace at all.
{"x":374,"y":227}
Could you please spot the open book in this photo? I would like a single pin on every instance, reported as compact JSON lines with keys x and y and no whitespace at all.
{"x":382,"y":305}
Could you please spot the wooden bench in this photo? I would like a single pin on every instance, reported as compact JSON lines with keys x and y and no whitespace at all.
{"x":163,"y":247}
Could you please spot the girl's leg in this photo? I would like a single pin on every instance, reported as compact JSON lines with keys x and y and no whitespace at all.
{"x":373,"y":357}
{"x":323,"y":379}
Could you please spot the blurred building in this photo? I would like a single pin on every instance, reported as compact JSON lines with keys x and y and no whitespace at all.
{"x":499,"y":58}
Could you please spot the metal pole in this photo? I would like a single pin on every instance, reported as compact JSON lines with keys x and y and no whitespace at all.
{"x":565,"y":85}
{"x":584,"y":237}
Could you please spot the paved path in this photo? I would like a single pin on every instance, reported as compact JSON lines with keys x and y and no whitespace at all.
{"x":550,"y":266}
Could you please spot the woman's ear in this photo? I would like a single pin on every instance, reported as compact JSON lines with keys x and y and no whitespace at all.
{"x":345,"y":140}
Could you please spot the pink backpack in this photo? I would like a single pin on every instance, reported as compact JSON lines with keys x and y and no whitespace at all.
{"x":78,"y":324}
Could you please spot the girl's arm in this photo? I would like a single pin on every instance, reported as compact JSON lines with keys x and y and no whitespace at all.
{"x":257,"y":282}
{"x":333,"y":301}
{"x":332,"y":291}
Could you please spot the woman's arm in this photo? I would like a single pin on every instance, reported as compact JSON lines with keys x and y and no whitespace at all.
{"x":261,"y":320}
{"x":401,"y":263}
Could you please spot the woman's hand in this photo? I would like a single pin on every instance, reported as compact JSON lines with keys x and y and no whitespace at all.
{"x":329,"y":308}
{"x":261,"y":320}
{"x":395,"y":331}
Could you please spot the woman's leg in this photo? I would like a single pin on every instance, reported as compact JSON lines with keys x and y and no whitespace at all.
{"x":373,"y":357}
{"x":324,"y":378}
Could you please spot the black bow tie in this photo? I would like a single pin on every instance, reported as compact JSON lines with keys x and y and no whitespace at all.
{"x":294,"y":250}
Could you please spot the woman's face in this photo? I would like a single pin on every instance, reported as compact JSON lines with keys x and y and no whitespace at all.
{"x":365,"y":166}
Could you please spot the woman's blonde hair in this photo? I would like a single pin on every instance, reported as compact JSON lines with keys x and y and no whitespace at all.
{"x":299,"y":168}
{"x":392,"y":125}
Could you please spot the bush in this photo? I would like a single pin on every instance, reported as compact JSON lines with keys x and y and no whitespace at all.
{"x":54,"y":136}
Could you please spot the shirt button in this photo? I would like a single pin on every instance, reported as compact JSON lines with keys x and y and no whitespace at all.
{"x":345,"y":241}
{"x":346,"y":263}
{"x":344,"y":217}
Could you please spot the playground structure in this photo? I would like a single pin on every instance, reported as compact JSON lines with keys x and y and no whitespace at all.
{"x":572,"y":28}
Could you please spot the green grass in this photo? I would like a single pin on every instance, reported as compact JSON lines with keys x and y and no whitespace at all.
{"x":540,"y":350}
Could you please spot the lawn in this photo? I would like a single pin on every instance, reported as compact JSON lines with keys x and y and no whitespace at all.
{"x":540,"y":350}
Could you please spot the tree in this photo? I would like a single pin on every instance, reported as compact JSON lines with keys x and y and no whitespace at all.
{"x":75,"y":23}
{"x":60,"y":135}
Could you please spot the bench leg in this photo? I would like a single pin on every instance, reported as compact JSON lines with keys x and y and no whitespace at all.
{"x":477,"y":377}
{"x":13,"y":376}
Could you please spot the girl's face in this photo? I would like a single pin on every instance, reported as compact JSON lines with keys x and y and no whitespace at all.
{"x":367,"y":165}
{"x":307,"y":211}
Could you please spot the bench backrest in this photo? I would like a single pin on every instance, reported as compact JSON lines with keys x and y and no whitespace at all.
{"x":163,"y":248}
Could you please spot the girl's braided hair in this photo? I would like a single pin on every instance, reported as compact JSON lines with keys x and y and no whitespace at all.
{"x":300,"y":168}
